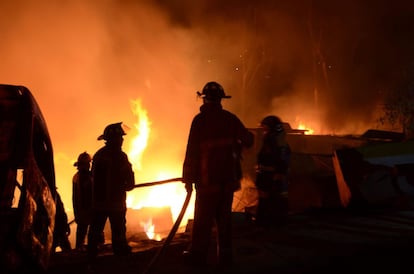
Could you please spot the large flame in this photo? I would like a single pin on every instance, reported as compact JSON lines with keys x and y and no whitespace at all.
{"x":167,"y":195}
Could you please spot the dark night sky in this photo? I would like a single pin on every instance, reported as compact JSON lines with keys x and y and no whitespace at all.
{"x":365,"y":46}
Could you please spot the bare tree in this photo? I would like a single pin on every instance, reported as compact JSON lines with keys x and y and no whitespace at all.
{"x":398,"y":108}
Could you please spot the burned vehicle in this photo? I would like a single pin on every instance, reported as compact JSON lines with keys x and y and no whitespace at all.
{"x":27,"y":183}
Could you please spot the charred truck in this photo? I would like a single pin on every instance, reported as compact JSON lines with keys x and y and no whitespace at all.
{"x":27,"y":183}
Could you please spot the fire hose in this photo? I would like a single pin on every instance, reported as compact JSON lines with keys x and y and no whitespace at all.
{"x":148,"y":184}
{"x":158,"y":182}
{"x":174,"y":229}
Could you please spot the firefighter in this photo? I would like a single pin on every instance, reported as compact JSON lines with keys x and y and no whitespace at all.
{"x":82,"y":197}
{"x":212,"y":165}
{"x":272,"y":169}
{"x":112,"y":177}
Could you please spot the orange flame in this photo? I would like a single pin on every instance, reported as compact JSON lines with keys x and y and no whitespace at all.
{"x":139,"y":143}
{"x":170,"y":195}
{"x":309,"y":131}
{"x":150,"y":230}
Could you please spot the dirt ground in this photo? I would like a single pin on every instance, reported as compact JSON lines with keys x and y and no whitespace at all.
{"x":317,"y":241}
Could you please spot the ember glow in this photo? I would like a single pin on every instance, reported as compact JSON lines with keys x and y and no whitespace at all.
{"x":149,"y":228}
{"x":309,"y":131}
{"x":168,"y":195}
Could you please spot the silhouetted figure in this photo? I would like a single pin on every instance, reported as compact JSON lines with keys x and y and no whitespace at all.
{"x":272,"y":169}
{"x":212,"y":164}
{"x":112,"y":176}
{"x":82,"y":197}
{"x":62,"y":229}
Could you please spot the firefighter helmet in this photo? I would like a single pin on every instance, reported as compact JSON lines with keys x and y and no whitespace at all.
{"x":112,"y":130}
{"x":213,"y":91}
{"x":273,"y":122}
{"x":84,"y":157}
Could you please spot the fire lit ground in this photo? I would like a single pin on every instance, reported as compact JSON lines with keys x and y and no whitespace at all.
{"x":319,"y":241}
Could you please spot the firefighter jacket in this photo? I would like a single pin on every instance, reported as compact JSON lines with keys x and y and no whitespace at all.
{"x":82,"y":195}
{"x":273,"y":159}
{"x":214,"y":149}
{"x":112,"y":176}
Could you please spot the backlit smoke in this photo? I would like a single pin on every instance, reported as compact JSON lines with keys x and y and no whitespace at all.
{"x":310,"y":62}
